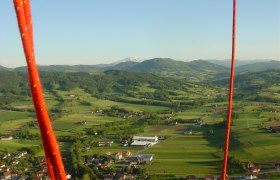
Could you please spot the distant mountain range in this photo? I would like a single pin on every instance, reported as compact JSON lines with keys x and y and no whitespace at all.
{"x":192,"y":70}
{"x":237,"y":62}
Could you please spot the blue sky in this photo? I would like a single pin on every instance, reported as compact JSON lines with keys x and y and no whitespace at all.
{"x":103,"y":31}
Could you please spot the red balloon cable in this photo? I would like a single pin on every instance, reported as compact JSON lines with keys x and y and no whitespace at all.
{"x":224,"y":173}
{"x":53,"y":156}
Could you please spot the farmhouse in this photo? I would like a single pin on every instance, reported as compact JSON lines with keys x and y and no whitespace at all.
{"x":144,"y":141}
{"x":118,"y":156}
{"x":126,"y":153}
{"x":210,"y":177}
{"x":143,"y":138}
{"x":19,"y":155}
{"x":6,"y":138}
{"x":5,"y":156}
{"x":2,"y":165}
{"x":250,"y":165}
{"x":250,"y":176}
{"x":105,"y":143}
{"x":141,"y":158}
{"x":108,"y":177}
{"x":255,"y":169}
{"x":6,"y":175}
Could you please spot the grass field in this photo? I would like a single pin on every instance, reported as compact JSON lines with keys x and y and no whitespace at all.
{"x":183,"y":154}
{"x":11,"y":120}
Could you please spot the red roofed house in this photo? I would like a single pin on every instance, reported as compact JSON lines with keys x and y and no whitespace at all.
{"x":1,"y":165}
{"x":210,"y":177}
{"x":250,"y":165}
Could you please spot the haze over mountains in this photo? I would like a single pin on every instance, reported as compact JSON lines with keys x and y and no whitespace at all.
{"x":191,"y":70}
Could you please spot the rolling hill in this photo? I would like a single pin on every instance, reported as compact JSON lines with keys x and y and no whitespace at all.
{"x":194,"y":71}
{"x":198,"y":70}
{"x":2,"y":68}
{"x":238,"y":63}
{"x":258,"y":67}
{"x":64,"y":68}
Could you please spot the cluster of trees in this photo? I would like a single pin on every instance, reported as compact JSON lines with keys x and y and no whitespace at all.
{"x":117,"y":129}
{"x":76,"y":164}
{"x":24,"y":133}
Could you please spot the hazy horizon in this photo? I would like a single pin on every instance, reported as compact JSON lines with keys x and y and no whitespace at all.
{"x":256,"y":60}
{"x":101,"y":32}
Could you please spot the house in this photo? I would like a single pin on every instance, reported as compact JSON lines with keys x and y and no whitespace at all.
{"x":104,"y":165}
{"x":15,"y":162}
{"x":191,"y":177}
{"x":108,"y":177}
{"x":147,"y":157}
{"x":210,"y":177}
{"x":108,"y":153}
{"x":145,"y":139}
{"x":189,"y":132}
{"x":127,"y":177}
{"x":83,"y":123}
{"x":7,"y":175}
{"x":14,"y":174}
{"x":250,"y":165}
{"x":6,"y":138}
{"x":19,"y":155}
{"x":2,"y":165}
{"x":39,"y":174}
{"x":6,"y":155}
{"x":141,"y":143}
{"x":126,"y":153}
{"x":118,"y":156}
{"x":255,"y":169}
{"x":6,"y":168}
{"x":24,"y":153}
{"x":68,"y":176}
{"x":105,"y":143}
{"x":90,"y":160}
{"x":141,"y":159}
{"x":250,"y":176}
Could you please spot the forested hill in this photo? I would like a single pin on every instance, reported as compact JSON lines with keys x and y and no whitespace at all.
{"x":113,"y":81}
{"x":64,"y":68}
{"x":192,"y":71}
{"x":258,"y":86}
{"x":255,"y":79}
{"x":258,"y":67}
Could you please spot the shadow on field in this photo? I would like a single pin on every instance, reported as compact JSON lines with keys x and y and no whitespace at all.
{"x":215,"y":135}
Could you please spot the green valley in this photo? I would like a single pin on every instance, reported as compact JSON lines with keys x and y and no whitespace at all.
{"x":97,"y":115}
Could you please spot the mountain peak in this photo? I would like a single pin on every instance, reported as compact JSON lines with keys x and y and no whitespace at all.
{"x":129,"y":59}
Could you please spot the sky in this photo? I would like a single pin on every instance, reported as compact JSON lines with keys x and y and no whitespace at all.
{"x":103,"y":31}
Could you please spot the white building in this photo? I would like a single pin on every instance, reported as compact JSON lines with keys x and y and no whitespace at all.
{"x":143,"y":138}
{"x":6,"y":138}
